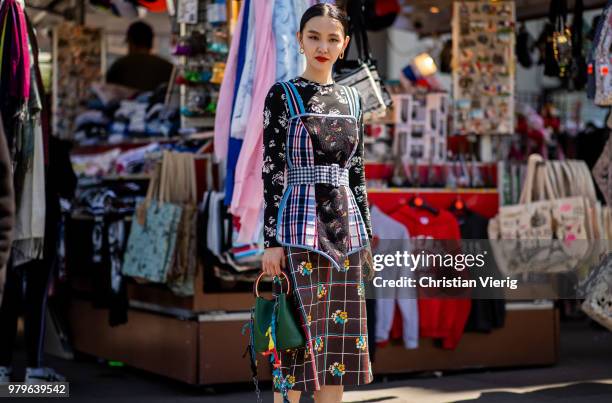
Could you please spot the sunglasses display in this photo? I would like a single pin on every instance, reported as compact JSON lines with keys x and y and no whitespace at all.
{"x":483,"y":47}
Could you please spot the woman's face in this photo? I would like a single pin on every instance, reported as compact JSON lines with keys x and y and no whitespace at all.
{"x":323,"y":40}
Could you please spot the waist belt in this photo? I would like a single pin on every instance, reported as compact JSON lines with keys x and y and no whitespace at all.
{"x":331,"y":174}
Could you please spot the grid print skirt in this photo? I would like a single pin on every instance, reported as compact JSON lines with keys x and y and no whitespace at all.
{"x":330,"y":304}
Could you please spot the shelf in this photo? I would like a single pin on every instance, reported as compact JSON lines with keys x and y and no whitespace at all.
{"x":201,"y":135}
{"x":433,"y":190}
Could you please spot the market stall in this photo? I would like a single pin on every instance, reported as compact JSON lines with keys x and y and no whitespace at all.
{"x":159,"y":247}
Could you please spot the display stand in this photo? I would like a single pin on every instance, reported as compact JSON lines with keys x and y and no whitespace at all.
{"x":199,"y":340}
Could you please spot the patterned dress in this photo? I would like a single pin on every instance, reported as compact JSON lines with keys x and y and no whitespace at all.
{"x":323,"y":227}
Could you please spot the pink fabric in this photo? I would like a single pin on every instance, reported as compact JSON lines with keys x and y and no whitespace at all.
{"x":247,"y":199}
{"x":223,"y":115}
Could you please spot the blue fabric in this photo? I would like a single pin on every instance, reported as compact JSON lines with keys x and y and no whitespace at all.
{"x":286,"y":20}
{"x":235,"y":145}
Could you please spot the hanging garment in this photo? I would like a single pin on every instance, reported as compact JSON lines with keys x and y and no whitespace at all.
{"x":439,"y":318}
{"x":286,"y":19}
{"x":246,"y":200}
{"x":30,"y":217}
{"x":15,"y":69}
{"x":226,"y":92}
{"x":487,"y":313}
{"x":246,"y":77}
{"x":234,"y":143}
{"x":7,"y":207}
{"x":392,"y":237}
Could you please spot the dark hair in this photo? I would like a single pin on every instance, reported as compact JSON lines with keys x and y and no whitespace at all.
{"x":140,"y":34}
{"x":325,"y":10}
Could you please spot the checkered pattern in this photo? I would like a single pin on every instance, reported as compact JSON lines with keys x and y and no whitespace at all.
{"x":333,"y":175}
{"x":296,"y":222}
{"x":330,"y":305}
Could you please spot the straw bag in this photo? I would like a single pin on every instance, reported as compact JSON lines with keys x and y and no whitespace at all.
{"x":546,"y":231}
{"x":183,"y":188}
{"x":598,"y":299}
{"x":150,"y":247}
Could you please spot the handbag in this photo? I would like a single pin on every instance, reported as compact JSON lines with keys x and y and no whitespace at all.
{"x":272,"y":328}
{"x":362,"y":73}
{"x":549,"y":228}
{"x":601,"y":60}
{"x":183,"y":187}
{"x":151,"y":243}
{"x":274,"y":324}
{"x":598,"y":293}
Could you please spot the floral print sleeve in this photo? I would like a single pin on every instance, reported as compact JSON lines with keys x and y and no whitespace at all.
{"x":275,"y":123}
{"x":357,"y":180}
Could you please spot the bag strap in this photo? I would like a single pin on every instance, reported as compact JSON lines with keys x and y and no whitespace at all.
{"x":294,"y":100}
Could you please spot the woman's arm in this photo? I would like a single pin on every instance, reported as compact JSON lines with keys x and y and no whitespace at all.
{"x":357,"y":180}
{"x":275,"y":123}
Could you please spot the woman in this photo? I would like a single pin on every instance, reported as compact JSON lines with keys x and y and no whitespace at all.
{"x":316,"y":223}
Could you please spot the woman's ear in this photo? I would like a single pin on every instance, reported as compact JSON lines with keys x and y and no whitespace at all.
{"x":347,"y":39}
{"x":298,"y":36}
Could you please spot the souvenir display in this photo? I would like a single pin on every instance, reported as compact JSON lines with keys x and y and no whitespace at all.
{"x":203,"y":49}
{"x":78,"y":62}
{"x":421,"y":127}
{"x":483,"y":71}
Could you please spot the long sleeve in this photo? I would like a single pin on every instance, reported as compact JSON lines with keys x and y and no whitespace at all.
{"x":275,"y":125}
{"x":357,"y":180}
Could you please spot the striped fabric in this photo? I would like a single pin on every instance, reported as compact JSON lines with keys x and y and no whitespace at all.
{"x":297,"y":221}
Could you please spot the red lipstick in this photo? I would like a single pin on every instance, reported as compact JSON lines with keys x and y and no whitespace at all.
{"x":321,"y":59}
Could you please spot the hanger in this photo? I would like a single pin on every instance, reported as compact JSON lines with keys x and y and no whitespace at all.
{"x":420,"y":203}
{"x":458,"y":205}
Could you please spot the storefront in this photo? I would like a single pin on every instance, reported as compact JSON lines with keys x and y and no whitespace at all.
{"x":161,"y":237}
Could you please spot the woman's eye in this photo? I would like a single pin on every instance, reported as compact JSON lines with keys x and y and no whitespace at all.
{"x":314,"y":38}
{"x":334,"y":40}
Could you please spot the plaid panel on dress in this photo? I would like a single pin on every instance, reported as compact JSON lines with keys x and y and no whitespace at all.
{"x":297,"y":215}
{"x":330,"y":305}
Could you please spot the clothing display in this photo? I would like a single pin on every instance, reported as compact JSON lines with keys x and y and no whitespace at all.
{"x":439,"y":318}
{"x":390,"y":237}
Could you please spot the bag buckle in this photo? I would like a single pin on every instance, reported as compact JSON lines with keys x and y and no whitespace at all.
{"x":334,"y":173}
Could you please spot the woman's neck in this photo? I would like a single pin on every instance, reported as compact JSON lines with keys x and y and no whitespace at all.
{"x":321,"y":77}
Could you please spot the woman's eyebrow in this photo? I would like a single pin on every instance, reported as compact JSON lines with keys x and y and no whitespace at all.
{"x":312,"y":31}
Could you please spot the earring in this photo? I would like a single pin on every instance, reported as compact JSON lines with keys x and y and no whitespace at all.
{"x":341,"y":55}
{"x":302,"y":50}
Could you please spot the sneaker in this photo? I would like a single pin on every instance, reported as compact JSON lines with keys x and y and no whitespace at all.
{"x":42,"y":375}
{"x":5,"y":375}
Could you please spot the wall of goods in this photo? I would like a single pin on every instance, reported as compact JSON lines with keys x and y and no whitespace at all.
{"x":149,"y":181}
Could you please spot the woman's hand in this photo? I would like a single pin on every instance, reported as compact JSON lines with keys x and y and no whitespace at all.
{"x":273,"y":261}
{"x":367,"y":264}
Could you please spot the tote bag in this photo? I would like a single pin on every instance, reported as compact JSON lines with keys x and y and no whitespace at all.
{"x":598,"y":294}
{"x":546,"y":231}
{"x":150,"y":248}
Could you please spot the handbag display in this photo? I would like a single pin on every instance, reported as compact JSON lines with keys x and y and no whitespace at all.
{"x":151,"y":243}
{"x":548,"y":231}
